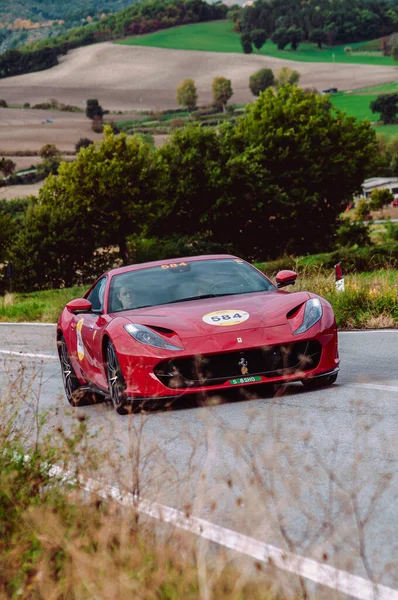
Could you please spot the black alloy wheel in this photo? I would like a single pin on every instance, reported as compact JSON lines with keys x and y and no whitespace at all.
{"x":116,"y":381}
{"x":75,"y":395}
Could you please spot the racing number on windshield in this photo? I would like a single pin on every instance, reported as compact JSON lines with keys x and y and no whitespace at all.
{"x":226,"y":317}
{"x":174,"y":265}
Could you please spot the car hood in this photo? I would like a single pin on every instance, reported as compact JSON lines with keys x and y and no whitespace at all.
{"x":227,"y":313}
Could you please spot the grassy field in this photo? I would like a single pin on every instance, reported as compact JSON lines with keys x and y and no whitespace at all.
{"x":357,"y":104}
{"x":369,"y":300}
{"x":218,"y":36}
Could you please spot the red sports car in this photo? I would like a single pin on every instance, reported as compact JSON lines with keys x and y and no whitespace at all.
{"x":162,"y":329}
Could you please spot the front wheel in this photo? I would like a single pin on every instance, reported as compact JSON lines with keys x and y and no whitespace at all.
{"x":116,"y":382}
{"x":319,"y":382}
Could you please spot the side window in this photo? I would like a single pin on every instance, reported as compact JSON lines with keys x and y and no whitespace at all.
{"x":97,"y":294}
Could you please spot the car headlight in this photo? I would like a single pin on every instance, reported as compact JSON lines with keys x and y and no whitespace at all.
{"x":144,"y":335}
{"x":312,"y":314}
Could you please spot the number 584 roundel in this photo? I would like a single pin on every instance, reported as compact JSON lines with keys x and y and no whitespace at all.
{"x":164,"y":329}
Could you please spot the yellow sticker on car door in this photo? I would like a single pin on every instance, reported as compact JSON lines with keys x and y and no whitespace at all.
{"x":80,"y":346}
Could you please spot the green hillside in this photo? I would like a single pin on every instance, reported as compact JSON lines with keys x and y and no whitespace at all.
{"x":218,"y":36}
{"x":44,"y":10}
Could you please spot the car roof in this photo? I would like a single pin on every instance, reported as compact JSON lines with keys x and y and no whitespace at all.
{"x":167,"y":261}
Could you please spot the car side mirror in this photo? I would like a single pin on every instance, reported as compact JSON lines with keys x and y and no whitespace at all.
{"x":80,"y":305}
{"x":284,"y":278}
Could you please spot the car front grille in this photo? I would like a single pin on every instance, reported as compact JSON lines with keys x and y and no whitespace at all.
{"x":215,"y":369}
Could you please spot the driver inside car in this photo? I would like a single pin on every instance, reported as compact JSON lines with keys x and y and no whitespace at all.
{"x":125,"y":297}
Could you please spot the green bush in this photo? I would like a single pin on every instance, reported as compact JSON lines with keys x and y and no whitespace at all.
{"x":351,"y":233}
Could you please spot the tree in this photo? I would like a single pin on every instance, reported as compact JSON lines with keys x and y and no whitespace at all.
{"x":287,"y":76}
{"x":93,"y":109}
{"x":193,"y":180}
{"x":257,"y":185}
{"x":319,"y":37}
{"x":83,"y":143}
{"x":280,"y":38}
{"x":222,"y":91}
{"x":245,"y":40}
{"x":379,"y":198}
{"x":285,"y":174}
{"x":387,"y":106}
{"x":260,"y":81}
{"x":48,"y":151}
{"x":186,"y":94}
{"x":352,"y":233}
{"x":97,"y":201}
{"x":295,"y":35}
{"x":258,"y":37}
{"x":362,"y":210}
{"x":7,"y":232}
{"x":7,"y":166}
{"x":394,"y":52}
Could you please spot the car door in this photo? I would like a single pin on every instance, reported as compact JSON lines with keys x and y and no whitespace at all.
{"x":89,"y":331}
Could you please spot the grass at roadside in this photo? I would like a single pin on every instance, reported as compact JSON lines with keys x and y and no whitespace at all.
{"x":370,"y":299}
{"x":368,"y":302}
{"x":218,"y":36}
{"x":44,"y":306}
{"x":60,"y":542}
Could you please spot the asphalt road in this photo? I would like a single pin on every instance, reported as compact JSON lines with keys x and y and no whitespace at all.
{"x":314,"y":472}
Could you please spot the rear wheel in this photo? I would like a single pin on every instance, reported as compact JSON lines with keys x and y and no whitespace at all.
{"x":117,"y":385}
{"x":75,"y":394}
{"x":319,"y":382}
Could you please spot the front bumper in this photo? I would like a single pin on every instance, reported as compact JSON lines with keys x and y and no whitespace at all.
{"x":206,"y":369}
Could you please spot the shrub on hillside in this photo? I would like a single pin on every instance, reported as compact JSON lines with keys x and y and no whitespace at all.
{"x":83,"y":143}
{"x":177,"y":122}
{"x":3,"y":103}
{"x":352,"y":233}
{"x":94,"y":110}
{"x":187,"y":95}
{"x":260,"y":81}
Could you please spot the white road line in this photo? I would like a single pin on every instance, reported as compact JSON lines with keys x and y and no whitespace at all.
{"x":30,"y":324}
{"x":28,"y":354}
{"x":336,"y":579}
{"x":369,"y":331}
{"x":374,"y":386}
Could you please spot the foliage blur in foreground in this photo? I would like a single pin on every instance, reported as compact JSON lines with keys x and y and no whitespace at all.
{"x":253,"y":187}
{"x":58,"y":541}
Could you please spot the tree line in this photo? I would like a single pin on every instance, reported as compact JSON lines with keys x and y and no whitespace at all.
{"x":47,"y":10}
{"x":319,"y":21}
{"x":142,"y":17}
{"x":16,"y":62}
{"x":274,"y":182}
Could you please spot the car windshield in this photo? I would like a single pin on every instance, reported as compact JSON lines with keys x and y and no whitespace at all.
{"x":184,"y":281}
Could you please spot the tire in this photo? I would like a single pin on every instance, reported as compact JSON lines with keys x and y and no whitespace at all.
{"x":75,"y":394}
{"x":116,"y":382}
{"x":319,"y":382}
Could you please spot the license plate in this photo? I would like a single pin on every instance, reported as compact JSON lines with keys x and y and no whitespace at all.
{"x":245,"y":380}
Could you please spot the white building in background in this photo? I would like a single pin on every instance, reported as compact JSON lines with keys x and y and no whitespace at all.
{"x":380,"y":183}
